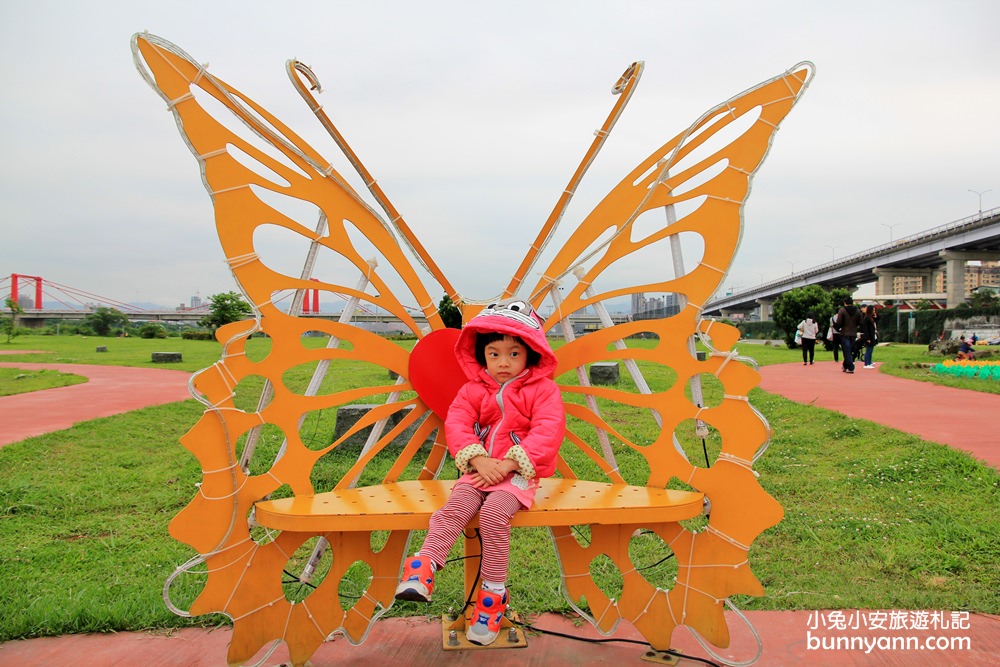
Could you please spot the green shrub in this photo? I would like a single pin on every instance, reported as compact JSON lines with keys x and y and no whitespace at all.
{"x":152,"y":330}
{"x":766,"y":330}
{"x":197,"y":335}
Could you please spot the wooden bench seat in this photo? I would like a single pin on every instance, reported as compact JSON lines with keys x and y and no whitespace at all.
{"x":408,"y":506}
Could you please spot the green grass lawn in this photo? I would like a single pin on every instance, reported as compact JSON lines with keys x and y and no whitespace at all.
{"x":875,"y":518}
{"x":17,"y":381}
{"x":131,"y":351}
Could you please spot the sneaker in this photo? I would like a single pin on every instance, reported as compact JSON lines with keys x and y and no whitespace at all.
{"x":870,"y":366}
{"x":487,"y":615}
{"x":417,"y":583}
{"x":849,"y":372}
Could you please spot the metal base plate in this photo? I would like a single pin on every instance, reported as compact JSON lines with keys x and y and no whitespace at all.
{"x":453,"y":636}
{"x":660,"y":657}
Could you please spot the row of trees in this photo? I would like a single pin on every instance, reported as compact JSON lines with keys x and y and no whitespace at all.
{"x":223,"y":308}
{"x":794,"y":305}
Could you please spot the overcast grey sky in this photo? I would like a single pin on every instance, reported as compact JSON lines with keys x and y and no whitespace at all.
{"x":473,"y":116}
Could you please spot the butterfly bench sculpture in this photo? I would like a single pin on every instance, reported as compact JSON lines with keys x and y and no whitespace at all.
{"x":275,"y":498}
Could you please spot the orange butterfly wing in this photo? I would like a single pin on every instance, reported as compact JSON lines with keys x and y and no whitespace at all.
{"x":705,"y":172}
{"x":255,"y":167}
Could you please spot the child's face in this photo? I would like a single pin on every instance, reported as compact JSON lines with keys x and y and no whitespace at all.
{"x":505,"y":359}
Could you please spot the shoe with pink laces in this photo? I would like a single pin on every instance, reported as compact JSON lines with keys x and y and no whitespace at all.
{"x":417,"y":583}
{"x":486,"y":617}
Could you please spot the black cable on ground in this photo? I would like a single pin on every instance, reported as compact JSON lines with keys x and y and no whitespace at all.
{"x":555,"y":633}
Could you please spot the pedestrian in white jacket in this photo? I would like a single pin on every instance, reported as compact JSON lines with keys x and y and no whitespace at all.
{"x":808,"y":329}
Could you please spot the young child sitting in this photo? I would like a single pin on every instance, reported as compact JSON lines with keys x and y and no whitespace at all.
{"x":965,"y":350}
{"x":504,"y":430}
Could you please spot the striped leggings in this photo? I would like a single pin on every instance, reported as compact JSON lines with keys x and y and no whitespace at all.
{"x":495,"y":511}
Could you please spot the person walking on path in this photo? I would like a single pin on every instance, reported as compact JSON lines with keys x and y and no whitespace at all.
{"x":808,"y":329}
{"x":848,"y":321}
{"x":869,"y":334}
{"x":833,"y":335}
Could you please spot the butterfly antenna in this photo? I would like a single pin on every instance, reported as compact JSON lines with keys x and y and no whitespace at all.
{"x":296,"y":71}
{"x":623,"y":89}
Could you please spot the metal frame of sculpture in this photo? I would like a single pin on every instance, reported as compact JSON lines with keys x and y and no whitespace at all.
{"x":701,"y":189}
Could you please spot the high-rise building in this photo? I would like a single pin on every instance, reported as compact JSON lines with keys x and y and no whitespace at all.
{"x":638,"y":303}
{"x":984,"y":273}
{"x":655,"y":306}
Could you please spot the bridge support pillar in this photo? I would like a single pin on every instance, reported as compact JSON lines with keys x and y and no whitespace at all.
{"x":885,"y":276}
{"x":954,"y":279}
{"x":938,"y":279}
{"x":765,"y":309}
{"x":955,"y":271}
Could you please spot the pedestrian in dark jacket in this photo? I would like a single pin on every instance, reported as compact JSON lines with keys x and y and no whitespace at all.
{"x":869,"y":334}
{"x":833,"y":335}
{"x":848,"y":321}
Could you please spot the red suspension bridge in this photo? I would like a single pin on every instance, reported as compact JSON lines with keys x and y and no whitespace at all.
{"x":68,"y":298}
{"x":73,"y":303}
{"x":55,"y":301}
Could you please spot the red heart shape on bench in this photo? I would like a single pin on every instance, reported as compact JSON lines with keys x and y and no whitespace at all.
{"x":434,"y":370}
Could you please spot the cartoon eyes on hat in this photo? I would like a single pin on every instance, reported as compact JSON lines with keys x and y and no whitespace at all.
{"x":516,"y":306}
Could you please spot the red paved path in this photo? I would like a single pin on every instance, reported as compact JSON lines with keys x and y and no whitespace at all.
{"x":111,"y":390}
{"x":959,"y":418}
{"x":906,"y":405}
{"x":415,"y":642}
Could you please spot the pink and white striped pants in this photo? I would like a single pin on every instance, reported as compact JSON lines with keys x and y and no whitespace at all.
{"x":495,"y":511}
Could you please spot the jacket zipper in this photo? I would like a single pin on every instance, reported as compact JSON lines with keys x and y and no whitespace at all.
{"x":503,"y":414}
{"x":503,"y":411}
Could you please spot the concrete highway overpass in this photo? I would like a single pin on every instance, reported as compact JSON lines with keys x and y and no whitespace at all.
{"x":946,"y":248}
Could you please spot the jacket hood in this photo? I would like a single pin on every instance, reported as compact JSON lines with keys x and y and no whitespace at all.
{"x":514,"y":318}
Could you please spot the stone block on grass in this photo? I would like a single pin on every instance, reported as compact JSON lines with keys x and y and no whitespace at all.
{"x":348,"y":416}
{"x":604,"y":372}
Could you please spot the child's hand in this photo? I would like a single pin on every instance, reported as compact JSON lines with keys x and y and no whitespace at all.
{"x":490,"y":471}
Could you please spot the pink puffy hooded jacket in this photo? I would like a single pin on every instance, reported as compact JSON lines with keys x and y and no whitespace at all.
{"x":523,"y":419}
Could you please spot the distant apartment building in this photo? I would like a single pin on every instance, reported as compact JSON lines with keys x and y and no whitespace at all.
{"x":987,"y":273}
{"x":907,"y":284}
{"x":976,"y":275}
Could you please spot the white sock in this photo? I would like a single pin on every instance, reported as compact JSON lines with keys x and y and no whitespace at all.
{"x":494,"y":587}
